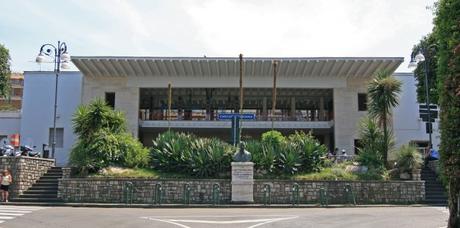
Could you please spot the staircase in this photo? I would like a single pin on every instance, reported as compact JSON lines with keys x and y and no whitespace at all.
{"x":44,"y":190}
{"x":435,"y":193}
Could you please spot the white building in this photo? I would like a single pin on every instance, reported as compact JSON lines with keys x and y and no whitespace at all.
{"x":408,"y":127}
{"x":324,"y":95}
{"x":38,"y":108}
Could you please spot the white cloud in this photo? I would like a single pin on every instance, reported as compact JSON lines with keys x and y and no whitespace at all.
{"x":224,"y":27}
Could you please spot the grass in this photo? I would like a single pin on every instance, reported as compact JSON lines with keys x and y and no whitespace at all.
{"x":334,"y":173}
{"x":135,"y":173}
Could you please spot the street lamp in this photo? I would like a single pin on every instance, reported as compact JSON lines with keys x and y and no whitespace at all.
{"x":416,"y":57}
{"x":61,"y":59}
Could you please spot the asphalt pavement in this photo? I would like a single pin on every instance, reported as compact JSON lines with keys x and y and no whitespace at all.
{"x":375,"y":217}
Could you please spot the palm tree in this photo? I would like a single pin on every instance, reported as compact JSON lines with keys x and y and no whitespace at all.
{"x":383,"y":93}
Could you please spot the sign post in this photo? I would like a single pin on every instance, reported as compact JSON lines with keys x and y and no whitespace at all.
{"x":236,"y":118}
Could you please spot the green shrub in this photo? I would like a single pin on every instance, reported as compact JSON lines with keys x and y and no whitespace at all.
{"x":371,"y":154}
{"x":274,"y":139}
{"x":310,"y":149}
{"x":329,"y":174}
{"x":133,"y":153}
{"x":408,"y":158}
{"x":103,"y":141}
{"x":187,"y":154}
{"x":289,"y":159}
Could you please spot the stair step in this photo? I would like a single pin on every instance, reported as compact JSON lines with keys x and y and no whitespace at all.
{"x":35,"y":200}
{"x":48,"y":180}
{"x":47,"y":196}
{"x":50,"y":177}
{"x":41,"y":191}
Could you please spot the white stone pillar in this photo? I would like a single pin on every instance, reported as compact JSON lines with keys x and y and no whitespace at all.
{"x":242,"y":182}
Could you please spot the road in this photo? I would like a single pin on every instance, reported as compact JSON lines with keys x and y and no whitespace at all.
{"x":375,"y":217}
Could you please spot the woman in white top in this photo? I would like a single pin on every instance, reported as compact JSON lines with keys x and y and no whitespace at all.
{"x":5,"y":181}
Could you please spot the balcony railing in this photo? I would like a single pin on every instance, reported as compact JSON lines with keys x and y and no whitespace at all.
{"x":203,"y":115}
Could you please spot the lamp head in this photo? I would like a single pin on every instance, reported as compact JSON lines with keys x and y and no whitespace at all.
{"x":65,"y":57}
{"x":65,"y":65}
{"x":420,"y":57}
{"x":40,"y":58}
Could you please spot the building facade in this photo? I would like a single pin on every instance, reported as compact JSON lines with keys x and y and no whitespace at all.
{"x":326,"y":96}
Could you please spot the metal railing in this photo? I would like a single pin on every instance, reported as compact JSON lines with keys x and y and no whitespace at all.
{"x":295,"y":194}
{"x":349,"y":195}
{"x":323,"y":197}
{"x":158,"y":196}
{"x":215,"y":194}
{"x":187,"y":192}
{"x":267,"y":194}
{"x":128,"y":192}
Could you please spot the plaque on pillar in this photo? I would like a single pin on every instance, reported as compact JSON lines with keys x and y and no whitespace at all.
{"x":242,"y":177}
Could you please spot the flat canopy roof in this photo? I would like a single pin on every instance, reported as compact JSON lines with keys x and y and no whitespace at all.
{"x":348,"y":67}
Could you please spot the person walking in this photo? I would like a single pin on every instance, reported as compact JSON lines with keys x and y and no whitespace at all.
{"x":5,"y":181}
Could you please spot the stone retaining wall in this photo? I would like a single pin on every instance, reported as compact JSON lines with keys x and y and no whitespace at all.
{"x":110,"y":190}
{"x":365,"y":191}
{"x":25,"y":171}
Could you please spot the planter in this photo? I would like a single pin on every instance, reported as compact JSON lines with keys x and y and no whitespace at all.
{"x":404,"y":176}
{"x":416,"y":174}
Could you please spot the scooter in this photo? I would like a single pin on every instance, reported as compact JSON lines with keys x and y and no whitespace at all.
{"x":29,"y":151}
{"x":7,"y":150}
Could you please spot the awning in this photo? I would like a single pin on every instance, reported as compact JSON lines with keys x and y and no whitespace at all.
{"x":348,"y":67}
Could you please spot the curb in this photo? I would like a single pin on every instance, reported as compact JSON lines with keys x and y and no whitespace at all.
{"x":111,"y":205}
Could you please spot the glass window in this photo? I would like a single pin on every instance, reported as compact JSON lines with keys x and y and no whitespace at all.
{"x":362,"y":102}
{"x":110,"y":99}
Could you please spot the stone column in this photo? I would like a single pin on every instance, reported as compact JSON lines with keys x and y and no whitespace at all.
{"x":242,"y":182}
{"x":321,"y":109}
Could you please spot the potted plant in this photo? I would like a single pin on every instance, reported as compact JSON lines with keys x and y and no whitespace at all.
{"x":409,"y":161}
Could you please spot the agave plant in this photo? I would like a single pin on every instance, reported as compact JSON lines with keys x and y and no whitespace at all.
{"x":289,"y":159}
{"x":311,"y":150}
{"x":408,"y":158}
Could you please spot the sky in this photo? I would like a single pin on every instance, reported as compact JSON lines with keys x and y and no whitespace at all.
{"x":255,"y":28}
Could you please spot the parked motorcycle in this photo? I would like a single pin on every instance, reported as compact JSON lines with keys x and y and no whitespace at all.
{"x":7,"y":150}
{"x":29,"y":151}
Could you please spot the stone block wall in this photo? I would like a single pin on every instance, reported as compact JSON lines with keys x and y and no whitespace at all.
{"x":25,"y":171}
{"x":111,"y":190}
{"x":366,"y":192}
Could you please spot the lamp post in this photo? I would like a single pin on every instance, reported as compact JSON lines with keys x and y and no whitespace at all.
{"x":61,"y":59}
{"x":416,"y":57}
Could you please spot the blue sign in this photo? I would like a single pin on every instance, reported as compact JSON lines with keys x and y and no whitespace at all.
{"x":241,"y":116}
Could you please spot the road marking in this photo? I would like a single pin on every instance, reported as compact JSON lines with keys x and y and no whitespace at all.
{"x":11,"y":212}
{"x":173,"y":220}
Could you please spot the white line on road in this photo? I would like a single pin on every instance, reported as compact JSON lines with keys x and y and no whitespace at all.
{"x":14,"y":211}
{"x":11,"y":214}
{"x":6,"y":217}
{"x":259,"y":221}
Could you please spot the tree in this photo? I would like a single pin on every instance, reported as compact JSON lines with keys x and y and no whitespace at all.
{"x":447,"y":33}
{"x":4,"y":71}
{"x":428,"y":43}
{"x":383,"y":93}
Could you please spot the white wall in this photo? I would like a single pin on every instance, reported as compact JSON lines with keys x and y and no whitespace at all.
{"x":38,"y":107}
{"x":10,"y":123}
{"x":407,"y":125}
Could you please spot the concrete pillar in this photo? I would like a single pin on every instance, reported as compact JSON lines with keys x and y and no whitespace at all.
{"x":321,"y":109}
{"x":293,"y":108}
{"x":264,"y":108}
